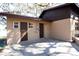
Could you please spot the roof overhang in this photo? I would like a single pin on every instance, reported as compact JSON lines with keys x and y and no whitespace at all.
{"x":71,"y":5}
{"x":10,"y":15}
{"x":16,"y":15}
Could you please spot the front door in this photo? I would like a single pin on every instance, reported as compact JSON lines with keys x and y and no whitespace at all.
{"x":41,"y":30}
{"x":23,"y":30}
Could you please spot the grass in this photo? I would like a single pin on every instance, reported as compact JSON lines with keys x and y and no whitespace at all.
{"x":1,"y":47}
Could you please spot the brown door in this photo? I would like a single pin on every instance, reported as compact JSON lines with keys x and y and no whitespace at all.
{"x":23,"y":30}
{"x":41,"y":30}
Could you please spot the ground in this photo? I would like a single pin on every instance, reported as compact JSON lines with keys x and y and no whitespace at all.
{"x":43,"y":47}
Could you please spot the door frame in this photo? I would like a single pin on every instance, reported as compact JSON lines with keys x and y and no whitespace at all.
{"x":27,"y":30}
{"x":41,"y":33}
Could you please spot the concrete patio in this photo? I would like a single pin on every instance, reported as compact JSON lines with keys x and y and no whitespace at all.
{"x":43,"y":47}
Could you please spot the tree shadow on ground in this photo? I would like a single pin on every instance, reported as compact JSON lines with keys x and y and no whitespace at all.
{"x":35,"y":49}
{"x":42,"y":48}
{"x":74,"y":45}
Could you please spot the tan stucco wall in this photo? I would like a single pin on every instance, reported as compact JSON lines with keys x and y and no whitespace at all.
{"x":33,"y":33}
{"x":61,"y":29}
{"x":13,"y":35}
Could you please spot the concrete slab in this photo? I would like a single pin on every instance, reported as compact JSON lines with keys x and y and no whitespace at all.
{"x":45,"y":47}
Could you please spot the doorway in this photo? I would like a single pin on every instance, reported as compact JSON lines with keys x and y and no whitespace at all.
{"x":41,"y":30}
{"x":23,"y":30}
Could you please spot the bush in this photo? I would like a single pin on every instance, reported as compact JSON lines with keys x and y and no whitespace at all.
{"x":2,"y":42}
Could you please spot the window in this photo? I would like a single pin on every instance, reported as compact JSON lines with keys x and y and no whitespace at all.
{"x":16,"y":24}
{"x":30,"y":25}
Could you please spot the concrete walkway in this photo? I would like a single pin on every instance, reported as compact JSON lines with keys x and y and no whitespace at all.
{"x":42,"y":48}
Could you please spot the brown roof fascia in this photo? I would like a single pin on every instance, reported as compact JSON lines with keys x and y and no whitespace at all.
{"x":21,"y":16}
{"x":15,"y":15}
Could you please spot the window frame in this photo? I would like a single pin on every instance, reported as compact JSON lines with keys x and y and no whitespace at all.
{"x":30,"y":25}
{"x":17,"y":24}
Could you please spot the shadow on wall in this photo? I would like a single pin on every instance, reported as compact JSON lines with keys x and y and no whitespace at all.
{"x":12,"y":37}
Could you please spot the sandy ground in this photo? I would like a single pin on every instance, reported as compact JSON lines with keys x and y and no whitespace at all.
{"x":42,"y":48}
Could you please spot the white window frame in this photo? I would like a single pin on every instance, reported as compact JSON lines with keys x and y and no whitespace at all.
{"x":30,"y":24}
{"x":14,"y":24}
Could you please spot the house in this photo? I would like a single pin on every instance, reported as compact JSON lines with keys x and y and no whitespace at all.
{"x":64,"y":21}
{"x":24,"y":28}
{"x":55,"y":23}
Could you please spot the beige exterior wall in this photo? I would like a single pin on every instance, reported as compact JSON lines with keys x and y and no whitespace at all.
{"x":61,"y":29}
{"x":14,"y":35}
